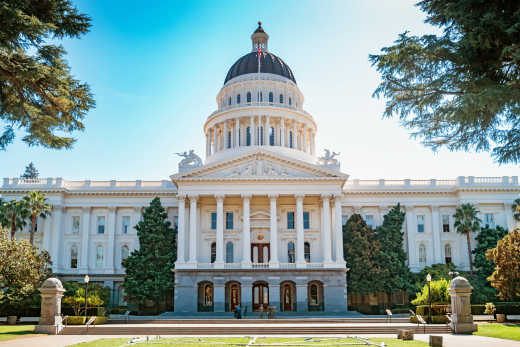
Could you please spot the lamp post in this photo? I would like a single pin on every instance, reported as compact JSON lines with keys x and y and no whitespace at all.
{"x":428,"y":280}
{"x":86,"y":279}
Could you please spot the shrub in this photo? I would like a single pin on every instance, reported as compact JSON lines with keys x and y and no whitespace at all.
{"x":490,"y":308}
{"x":119,"y":309}
{"x":508,"y":307}
{"x":80,"y":320}
{"x":478,"y":309}
{"x":438,"y":291}
{"x":437,"y":310}
{"x":435,"y":319}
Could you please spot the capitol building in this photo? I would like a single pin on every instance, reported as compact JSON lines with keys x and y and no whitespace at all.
{"x":260,"y":218}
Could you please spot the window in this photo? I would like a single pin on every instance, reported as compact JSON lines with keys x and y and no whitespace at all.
{"x":229,"y":139}
{"x":281,"y":99}
{"x":229,"y":102}
{"x":344,"y":220}
{"x":447,"y":253}
{"x":271,"y":97}
{"x":315,"y":296}
{"x":229,"y":220}
{"x":238,"y":99}
{"x":260,"y":135}
{"x":126,"y":224}
{"x":101,"y":224}
{"x":213,"y":252}
{"x":307,"y":252}
{"x":422,"y":254}
{"x":271,"y":136}
{"x":290,"y":101}
{"x":248,"y":136}
{"x":420,"y":224}
{"x":290,"y":220}
{"x":446,"y":223}
{"x":175,"y":222}
{"x":74,"y":257}
{"x":369,"y":219}
{"x":248,"y":97}
{"x":213,"y":220}
{"x":75,"y":224}
{"x":306,"y":220}
{"x":290,"y":139}
{"x":291,"y":258}
{"x":229,"y":252}
{"x":99,"y":256}
{"x":489,"y":219}
{"x":124,"y":253}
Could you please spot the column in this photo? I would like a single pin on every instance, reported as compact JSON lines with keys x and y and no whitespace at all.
{"x":85,"y":230}
{"x":47,"y":233}
{"x":246,"y":233}
{"x":282,"y":132}
{"x":237,"y":132}
{"x":304,"y":138}
{"x":252,"y":131}
{"x":436,"y":236}
{"x":208,"y":143}
{"x":274,"y":231}
{"x":327,"y":247}
{"x":313,"y":144}
{"x":338,"y":226}
{"x":300,"y":258}
{"x":266,"y":131}
{"x":410,"y":229}
{"x":193,"y":229}
{"x":55,"y":251}
{"x":215,"y":148}
{"x":294,"y":136}
{"x":181,"y":229}
{"x":225,"y":135}
{"x":219,"y":260}
{"x":111,"y":223}
{"x":510,"y":221}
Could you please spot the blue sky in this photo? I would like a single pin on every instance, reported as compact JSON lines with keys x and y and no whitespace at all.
{"x":155,"y":69}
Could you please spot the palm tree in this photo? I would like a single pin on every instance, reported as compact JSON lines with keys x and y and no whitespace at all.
{"x":13,"y":215}
{"x":516,"y":210}
{"x":467,"y":221}
{"x":36,"y":203}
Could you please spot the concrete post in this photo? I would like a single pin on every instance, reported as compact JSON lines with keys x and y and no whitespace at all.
{"x":50,"y":317}
{"x":461,"y":317}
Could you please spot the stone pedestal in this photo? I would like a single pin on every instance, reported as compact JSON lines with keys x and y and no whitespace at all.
{"x":50,"y":317}
{"x":461,"y":317}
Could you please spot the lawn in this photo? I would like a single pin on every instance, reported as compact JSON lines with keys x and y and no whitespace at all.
{"x":243,"y":341}
{"x":502,"y":331}
{"x":9,"y":332}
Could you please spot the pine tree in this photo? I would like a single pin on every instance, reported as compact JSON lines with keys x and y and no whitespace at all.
{"x":392,"y":256}
{"x":360,"y":250}
{"x":30,"y":172}
{"x":149,"y":270}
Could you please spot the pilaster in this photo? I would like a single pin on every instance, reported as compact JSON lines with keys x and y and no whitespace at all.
{"x":274,"y":231}
{"x":300,"y":256}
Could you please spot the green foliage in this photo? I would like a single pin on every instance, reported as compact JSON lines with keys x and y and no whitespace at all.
{"x":395,"y":274}
{"x":461,"y":89}
{"x":438,"y":291}
{"x":13,"y":215}
{"x":506,"y":257}
{"x":467,"y":221}
{"x":37,"y":206}
{"x":437,"y":310}
{"x":77,"y":301}
{"x":37,"y":91}
{"x":516,"y":209}
{"x":435,"y":319}
{"x":22,"y":269}
{"x":148,"y":270}
{"x":72,"y":287}
{"x":30,"y":172}
{"x":80,"y":320}
{"x":490,"y":308}
{"x":361,"y":250}
{"x":437,"y":271}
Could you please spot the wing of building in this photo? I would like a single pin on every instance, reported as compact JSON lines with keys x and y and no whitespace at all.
{"x":260,"y":220}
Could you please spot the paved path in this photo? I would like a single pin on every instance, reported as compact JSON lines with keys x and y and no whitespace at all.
{"x":67,"y":340}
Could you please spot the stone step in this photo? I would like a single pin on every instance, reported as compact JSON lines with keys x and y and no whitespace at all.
{"x":258,"y":321}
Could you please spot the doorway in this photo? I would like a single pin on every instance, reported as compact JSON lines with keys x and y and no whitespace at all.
{"x":260,"y":253}
{"x":232,"y":295}
{"x":288,"y":296}
{"x":260,"y":295}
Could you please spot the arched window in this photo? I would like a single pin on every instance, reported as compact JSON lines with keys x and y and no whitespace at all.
{"x":307,"y":251}
{"x":99,"y":256}
{"x":205,"y":297}
{"x":291,"y":139}
{"x":213,"y":252}
{"x":229,"y":102}
{"x":271,"y":136}
{"x":248,"y":136}
{"x":281,"y":99}
{"x":248,"y":97}
{"x":74,"y":257}
{"x":290,"y":252}
{"x":290,"y":101}
{"x":422,"y":254}
{"x":229,"y":252}
{"x":124,"y":253}
{"x":447,"y":253}
{"x":271,"y":97}
{"x":238,"y":98}
{"x":315,"y":296}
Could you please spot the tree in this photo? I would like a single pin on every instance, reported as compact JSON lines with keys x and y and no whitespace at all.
{"x":30,"y":172}
{"x":36,"y":203}
{"x":37,"y":90}
{"x":148,"y":270}
{"x":439,"y":292}
{"x":77,"y":301}
{"x":466,"y":221}
{"x":22,"y":270}
{"x":516,"y":210}
{"x":13,"y":215}
{"x":360,"y":250}
{"x":392,"y":256}
{"x":506,"y":256}
{"x":460,"y":89}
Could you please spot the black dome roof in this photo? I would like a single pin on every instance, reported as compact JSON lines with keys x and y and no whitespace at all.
{"x":269,"y":63}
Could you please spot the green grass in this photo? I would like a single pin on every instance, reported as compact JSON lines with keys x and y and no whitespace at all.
{"x":502,"y":331}
{"x":9,"y":332}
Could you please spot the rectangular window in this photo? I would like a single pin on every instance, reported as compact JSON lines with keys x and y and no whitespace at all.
{"x":75,"y":224}
{"x":369,"y":219}
{"x":229,"y":139}
{"x":420,"y":224}
{"x":306,"y":220}
{"x":229,"y":220}
{"x":271,"y":137}
{"x":126,"y":224}
{"x":290,"y":220}
{"x":446,"y":223}
{"x":99,"y":256}
{"x":489,"y":219}
{"x":213,"y":220}
{"x":101,"y":224}
{"x":248,"y":136}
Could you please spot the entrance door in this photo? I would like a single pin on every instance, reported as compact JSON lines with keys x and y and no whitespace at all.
{"x":288,"y":296}
{"x":260,"y":296}
{"x":260,"y":253}
{"x":232,"y":295}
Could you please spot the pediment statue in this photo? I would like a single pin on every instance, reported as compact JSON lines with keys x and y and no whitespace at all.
{"x":190,"y":161}
{"x":329,"y":159}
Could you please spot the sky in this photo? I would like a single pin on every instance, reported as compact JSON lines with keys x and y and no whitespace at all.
{"x":156,"y":67}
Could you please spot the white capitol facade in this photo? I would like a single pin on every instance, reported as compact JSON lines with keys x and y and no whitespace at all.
{"x":260,"y":221}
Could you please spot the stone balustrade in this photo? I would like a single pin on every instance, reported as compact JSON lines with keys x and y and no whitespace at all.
{"x":461,"y":181}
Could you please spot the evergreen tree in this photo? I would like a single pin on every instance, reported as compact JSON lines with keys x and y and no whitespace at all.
{"x":361,"y":250}
{"x":467,"y":221}
{"x":392,"y":256}
{"x":30,"y":172}
{"x":506,"y":256}
{"x":148,"y":270}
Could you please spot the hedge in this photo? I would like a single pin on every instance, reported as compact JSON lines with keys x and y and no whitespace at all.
{"x":80,"y":320}
{"x":437,"y":310}
{"x":501,"y":307}
{"x":435,"y":319}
